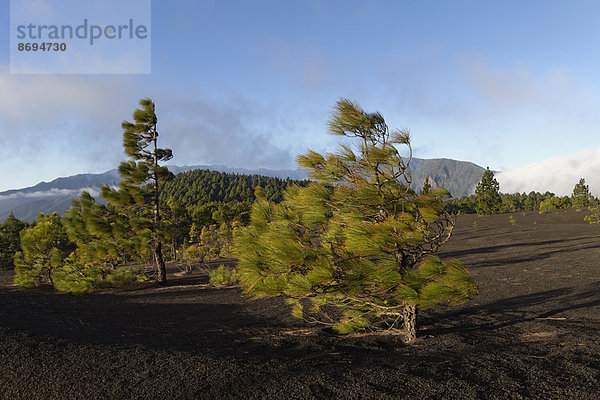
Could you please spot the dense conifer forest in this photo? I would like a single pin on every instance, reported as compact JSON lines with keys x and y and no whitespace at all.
{"x":210,"y":197}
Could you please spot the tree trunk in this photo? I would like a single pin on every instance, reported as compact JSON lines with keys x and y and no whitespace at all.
{"x":409,"y":316}
{"x":158,"y":258}
{"x":160,"y":263}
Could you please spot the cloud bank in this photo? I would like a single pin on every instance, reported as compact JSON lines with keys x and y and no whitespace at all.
{"x":71,"y":124}
{"x":557,"y":175}
{"x":94,"y":191}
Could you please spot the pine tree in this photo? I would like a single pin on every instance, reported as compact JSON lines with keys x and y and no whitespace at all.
{"x":103,"y":237}
{"x":10,"y":240}
{"x":177,"y":225}
{"x":357,"y":238}
{"x":426,"y":186}
{"x":581,"y":194}
{"x":138,"y":196}
{"x":488,"y":194}
{"x":45,"y":246}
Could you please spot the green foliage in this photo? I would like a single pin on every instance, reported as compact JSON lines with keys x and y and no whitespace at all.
{"x":176,"y":225}
{"x":488,"y":194}
{"x":103,"y":236}
{"x":462,"y":205}
{"x":211,"y":197}
{"x":510,"y":203}
{"x":581,"y":196}
{"x":224,"y":276}
{"x":512,"y":220}
{"x":45,"y":245}
{"x":78,"y":278}
{"x":555,"y":203}
{"x":594,"y":216}
{"x":210,"y":242}
{"x":356,"y":239}
{"x":10,"y":241}
{"x":426,"y":186}
{"x":73,"y":279}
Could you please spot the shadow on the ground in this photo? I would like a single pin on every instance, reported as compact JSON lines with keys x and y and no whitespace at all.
{"x":550,"y":305}
{"x":500,"y":255}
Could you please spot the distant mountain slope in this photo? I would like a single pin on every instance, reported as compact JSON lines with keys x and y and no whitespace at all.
{"x":296,"y":174}
{"x":48,"y":197}
{"x":459,"y":177}
{"x":29,"y":209}
{"x":75,"y":182}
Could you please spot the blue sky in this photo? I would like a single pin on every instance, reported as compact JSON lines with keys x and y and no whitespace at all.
{"x":503,"y":84}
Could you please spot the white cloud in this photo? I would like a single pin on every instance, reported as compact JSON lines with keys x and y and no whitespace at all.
{"x":61,"y":125}
{"x":558,"y":175}
{"x":95,"y":192}
{"x":71,"y":124}
{"x":232,"y":133}
{"x":519,"y":89}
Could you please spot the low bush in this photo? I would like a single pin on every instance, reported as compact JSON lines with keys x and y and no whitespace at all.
{"x":224,"y":275}
{"x":77,"y":278}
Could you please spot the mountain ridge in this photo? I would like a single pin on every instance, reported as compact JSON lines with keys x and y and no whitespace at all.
{"x":459,"y":177}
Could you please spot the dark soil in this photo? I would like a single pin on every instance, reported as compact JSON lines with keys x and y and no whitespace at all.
{"x":532,"y":332}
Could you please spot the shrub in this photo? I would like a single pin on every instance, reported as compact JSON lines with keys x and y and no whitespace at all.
{"x":594,"y":217}
{"x":224,"y":275}
{"x":79,"y":278}
{"x":45,"y":245}
{"x":555,"y":203}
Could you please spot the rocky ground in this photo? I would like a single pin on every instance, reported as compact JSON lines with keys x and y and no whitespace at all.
{"x":532,"y":332}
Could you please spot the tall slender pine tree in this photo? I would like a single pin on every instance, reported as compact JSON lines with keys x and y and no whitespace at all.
{"x":143,"y":178}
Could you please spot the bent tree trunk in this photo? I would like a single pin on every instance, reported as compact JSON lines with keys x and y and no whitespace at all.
{"x":409,"y":317}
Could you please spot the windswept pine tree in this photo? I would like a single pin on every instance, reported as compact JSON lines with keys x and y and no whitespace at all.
{"x":358,"y":238}
{"x":138,"y":196}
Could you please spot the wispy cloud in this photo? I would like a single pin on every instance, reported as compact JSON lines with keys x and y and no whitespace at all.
{"x":34,"y":101}
{"x":76,"y":121}
{"x":95,"y":192}
{"x":236,"y":133}
{"x":557,"y":175}
{"x":517,"y":89}
{"x":60,"y":125}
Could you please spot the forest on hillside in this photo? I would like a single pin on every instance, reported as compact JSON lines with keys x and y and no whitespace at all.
{"x":210,"y":197}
